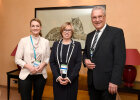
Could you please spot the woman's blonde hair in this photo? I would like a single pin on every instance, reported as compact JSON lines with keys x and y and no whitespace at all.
{"x":64,"y":26}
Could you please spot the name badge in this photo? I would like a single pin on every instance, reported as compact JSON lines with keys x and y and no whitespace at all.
{"x":91,"y":53}
{"x":36,"y":63}
{"x":63,"y":69}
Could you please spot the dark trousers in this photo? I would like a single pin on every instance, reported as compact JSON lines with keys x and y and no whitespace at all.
{"x":100,"y":94}
{"x":37,"y":82}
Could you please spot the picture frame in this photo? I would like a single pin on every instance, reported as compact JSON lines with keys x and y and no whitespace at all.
{"x":53,"y":17}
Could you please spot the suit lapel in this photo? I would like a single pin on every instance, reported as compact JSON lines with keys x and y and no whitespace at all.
{"x":90,"y":38}
{"x":104,"y":34}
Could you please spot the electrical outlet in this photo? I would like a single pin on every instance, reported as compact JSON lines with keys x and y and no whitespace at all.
{"x":15,"y":81}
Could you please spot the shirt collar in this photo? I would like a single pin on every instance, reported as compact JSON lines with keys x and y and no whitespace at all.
{"x":101,"y":30}
{"x":36,"y":38}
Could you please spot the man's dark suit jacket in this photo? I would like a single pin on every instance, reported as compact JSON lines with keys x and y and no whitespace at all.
{"x":109,"y":58}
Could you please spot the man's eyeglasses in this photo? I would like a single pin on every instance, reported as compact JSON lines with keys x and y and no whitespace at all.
{"x":98,"y":17}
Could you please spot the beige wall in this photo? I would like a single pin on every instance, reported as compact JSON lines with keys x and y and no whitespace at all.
{"x":16,"y":14}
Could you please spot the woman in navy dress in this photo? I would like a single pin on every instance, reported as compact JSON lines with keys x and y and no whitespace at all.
{"x":65,"y":62}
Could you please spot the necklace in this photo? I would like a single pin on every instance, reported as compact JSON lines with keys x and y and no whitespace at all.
{"x":36,"y":41}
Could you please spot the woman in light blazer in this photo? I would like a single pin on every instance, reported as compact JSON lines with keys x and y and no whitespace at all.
{"x":32,"y":56}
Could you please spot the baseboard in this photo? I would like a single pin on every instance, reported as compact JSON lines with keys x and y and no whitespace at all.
{"x":5,"y":86}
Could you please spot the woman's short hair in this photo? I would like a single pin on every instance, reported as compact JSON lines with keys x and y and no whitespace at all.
{"x":64,"y":26}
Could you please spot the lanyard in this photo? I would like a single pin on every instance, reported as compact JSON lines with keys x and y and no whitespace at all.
{"x":33,"y":47}
{"x":61,"y":53}
{"x":94,"y":41}
{"x":93,"y":44}
{"x":67,"y":59}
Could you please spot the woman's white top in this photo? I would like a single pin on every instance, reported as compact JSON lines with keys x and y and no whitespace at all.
{"x":25,"y":54}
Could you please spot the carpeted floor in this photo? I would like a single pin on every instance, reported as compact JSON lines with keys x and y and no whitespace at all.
{"x":14,"y":95}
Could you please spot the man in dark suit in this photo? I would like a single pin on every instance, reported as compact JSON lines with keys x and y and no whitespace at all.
{"x":104,"y":56}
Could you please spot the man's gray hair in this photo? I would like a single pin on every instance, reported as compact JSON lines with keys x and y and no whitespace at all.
{"x":99,"y":7}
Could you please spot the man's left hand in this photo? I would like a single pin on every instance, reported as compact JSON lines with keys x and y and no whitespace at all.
{"x":112,"y":88}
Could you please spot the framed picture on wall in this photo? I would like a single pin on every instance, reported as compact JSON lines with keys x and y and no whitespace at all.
{"x":53,"y":17}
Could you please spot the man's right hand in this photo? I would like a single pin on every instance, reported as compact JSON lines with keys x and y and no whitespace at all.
{"x":89,"y":64}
